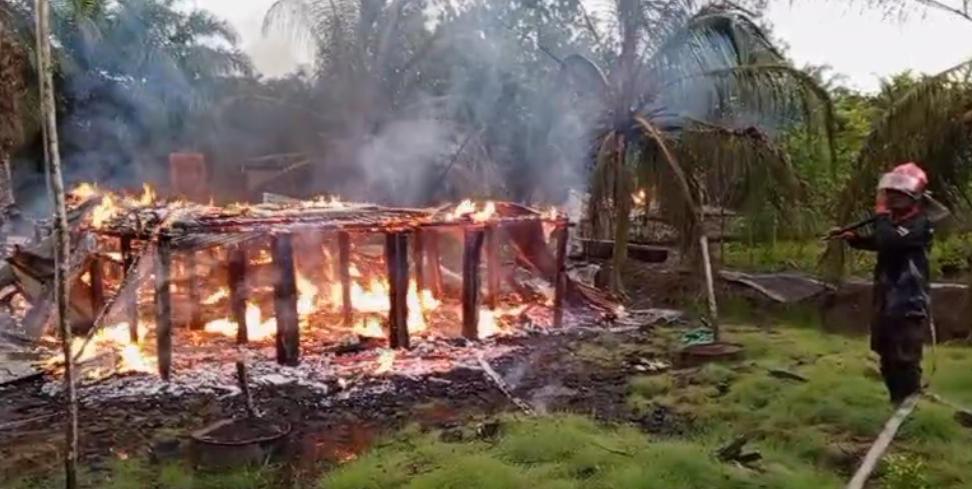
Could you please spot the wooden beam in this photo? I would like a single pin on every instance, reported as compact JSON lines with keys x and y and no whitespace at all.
{"x":195,"y":300}
{"x":96,"y":274}
{"x":239,"y":292}
{"x":418,"y":260}
{"x":472,"y":251}
{"x":343,"y":266}
{"x":285,"y":300}
{"x":883,"y":441}
{"x":396,"y":257}
{"x":430,"y":242}
{"x":131,"y":297}
{"x":163,"y":307}
{"x":561,"y":236}
{"x":492,"y":266}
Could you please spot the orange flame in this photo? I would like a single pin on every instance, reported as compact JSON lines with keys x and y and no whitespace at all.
{"x":469,"y":209}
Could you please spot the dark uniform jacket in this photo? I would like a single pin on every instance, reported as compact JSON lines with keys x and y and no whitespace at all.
{"x":901,"y":277}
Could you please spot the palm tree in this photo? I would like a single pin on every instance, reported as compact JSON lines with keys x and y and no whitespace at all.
{"x":690,"y":102}
{"x":133,"y":76}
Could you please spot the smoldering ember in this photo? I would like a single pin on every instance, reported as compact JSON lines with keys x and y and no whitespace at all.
{"x":428,"y":244}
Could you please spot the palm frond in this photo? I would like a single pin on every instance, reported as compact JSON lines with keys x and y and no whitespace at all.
{"x":770,"y":96}
{"x":928,"y":124}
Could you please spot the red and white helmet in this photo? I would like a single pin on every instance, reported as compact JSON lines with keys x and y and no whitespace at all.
{"x":908,"y":178}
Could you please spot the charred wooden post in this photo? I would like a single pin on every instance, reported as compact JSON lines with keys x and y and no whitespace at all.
{"x":431,"y":245}
{"x":131,"y":297}
{"x":396,"y":257}
{"x":238,"y":290}
{"x":285,"y":300}
{"x":344,"y":274}
{"x":472,"y":252}
{"x":163,"y":306}
{"x":96,"y":275}
{"x":418,"y":260}
{"x":195,"y":301}
{"x":492,"y":266}
{"x":560,"y":278}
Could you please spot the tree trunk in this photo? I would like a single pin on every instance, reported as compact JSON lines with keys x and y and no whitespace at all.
{"x":622,"y":218}
{"x":62,"y":241}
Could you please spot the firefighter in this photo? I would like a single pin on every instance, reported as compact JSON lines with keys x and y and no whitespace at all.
{"x":902,"y":237}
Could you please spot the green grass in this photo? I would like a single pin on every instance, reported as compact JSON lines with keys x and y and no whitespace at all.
{"x":140,"y":474}
{"x":811,"y":434}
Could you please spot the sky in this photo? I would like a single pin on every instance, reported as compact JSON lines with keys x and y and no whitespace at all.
{"x":858,"y":43}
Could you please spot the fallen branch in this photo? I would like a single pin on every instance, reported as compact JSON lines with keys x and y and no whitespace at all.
{"x":883,"y":441}
{"x":504,"y":387}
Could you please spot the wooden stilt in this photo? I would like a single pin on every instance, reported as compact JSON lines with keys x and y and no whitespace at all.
{"x":131,"y":297}
{"x":472,"y":251}
{"x":285,"y":300}
{"x":238,"y":291}
{"x":430,"y":241}
{"x":96,"y":274}
{"x":560,"y":279}
{"x":195,"y":301}
{"x":418,"y":260}
{"x":492,"y":266}
{"x":163,"y":307}
{"x":396,"y":257}
{"x":344,"y":274}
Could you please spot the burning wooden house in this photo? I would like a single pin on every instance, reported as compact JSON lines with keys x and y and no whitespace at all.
{"x":316,"y":274}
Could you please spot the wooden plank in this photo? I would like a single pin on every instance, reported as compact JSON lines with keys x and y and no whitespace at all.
{"x":131,"y":299}
{"x":285,"y":301}
{"x":561,"y":236}
{"x":163,"y":307}
{"x":97,"y":278}
{"x":195,"y":300}
{"x":493,"y":266}
{"x":472,"y":252}
{"x":882,"y":442}
{"x":433,"y":261}
{"x":343,"y":265}
{"x":239,"y":292}
{"x":396,"y":258}
{"x":418,"y":260}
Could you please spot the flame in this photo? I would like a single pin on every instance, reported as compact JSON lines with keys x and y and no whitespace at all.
{"x":469,"y":209}
{"x":256,"y":328}
{"x":115,"y":339}
{"x":217,"y":296}
{"x":332,"y":202}
{"x":386,"y":360}
{"x":148,"y":196}
{"x":105,"y":211}
{"x":306,"y":296}
{"x":263,"y":257}
{"x":640,"y":198}
{"x":372,"y":300}
{"x":552,"y":214}
{"x":486,"y":214}
{"x":84,"y":191}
